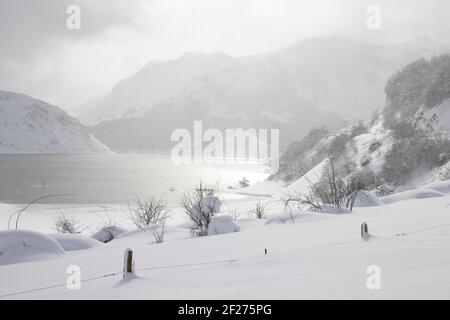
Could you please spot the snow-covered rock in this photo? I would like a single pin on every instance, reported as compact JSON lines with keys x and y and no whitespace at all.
{"x":73,"y":242}
{"x":24,"y":245}
{"x":366,"y":199}
{"x":28,"y":125}
{"x":221,"y":225}
{"x":106,"y":234}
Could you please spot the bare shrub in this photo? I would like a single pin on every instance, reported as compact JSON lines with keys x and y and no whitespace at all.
{"x":260,"y":210}
{"x":292,"y":202}
{"x":64,"y":224}
{"x":148,"y":212}
{"x":200,"y":204}
{"x":158,"y":232}
{"x":333,"y":189}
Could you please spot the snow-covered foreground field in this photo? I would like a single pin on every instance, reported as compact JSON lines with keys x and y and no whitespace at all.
{"x":319,"y":256}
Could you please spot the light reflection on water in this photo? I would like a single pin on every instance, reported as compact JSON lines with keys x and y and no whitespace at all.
{"x":111,"y":178}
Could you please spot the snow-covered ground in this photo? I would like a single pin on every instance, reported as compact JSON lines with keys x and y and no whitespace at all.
{"x":318,"y":256}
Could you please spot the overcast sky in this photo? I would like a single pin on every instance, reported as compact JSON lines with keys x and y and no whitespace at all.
{"x":39,"y":56}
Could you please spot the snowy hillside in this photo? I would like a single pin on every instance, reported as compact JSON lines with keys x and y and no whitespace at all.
{"x":315,"y":82}
{"x":407,"y":145}
{"x":33,"y":126}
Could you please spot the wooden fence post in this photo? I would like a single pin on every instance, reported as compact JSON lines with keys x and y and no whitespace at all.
{"x":128,"y":262}
{"x":364,"y":231}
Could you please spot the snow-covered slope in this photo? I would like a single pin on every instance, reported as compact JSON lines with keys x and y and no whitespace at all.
{"x":28,"y":125}
{"x":367,"y":153}
{"x":406,"y":146}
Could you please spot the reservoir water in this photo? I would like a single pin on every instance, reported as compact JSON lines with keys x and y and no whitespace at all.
{"x":111,"y":178}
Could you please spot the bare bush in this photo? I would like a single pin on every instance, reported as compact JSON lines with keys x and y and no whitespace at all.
{"x":158,"y":232}
{"x":260,"y":210}
{"x":64,"y":224}
{"x":333,"y":189}
{"x":148,"y":212}
{"x":292,"y":202}
{"x":200,"y":204}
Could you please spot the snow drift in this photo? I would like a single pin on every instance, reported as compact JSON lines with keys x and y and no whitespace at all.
{"x":412,"y":194}
{"x":23,"y":245}
{"x":73,"y":242}
{"x":366,"y":199}
{"x":222,"y":225}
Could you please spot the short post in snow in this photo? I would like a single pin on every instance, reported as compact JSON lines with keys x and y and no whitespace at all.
{"x":128,"y":264}
{"x":365,"y":231}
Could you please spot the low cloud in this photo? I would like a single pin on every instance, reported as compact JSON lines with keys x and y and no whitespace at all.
{"x":41,"y":57}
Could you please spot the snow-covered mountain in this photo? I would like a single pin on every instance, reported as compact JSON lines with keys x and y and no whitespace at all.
{"x":406,"y":146}
{"x":28,"y":125}
{"x":327,"y":72}
{"x":318,"y":81}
